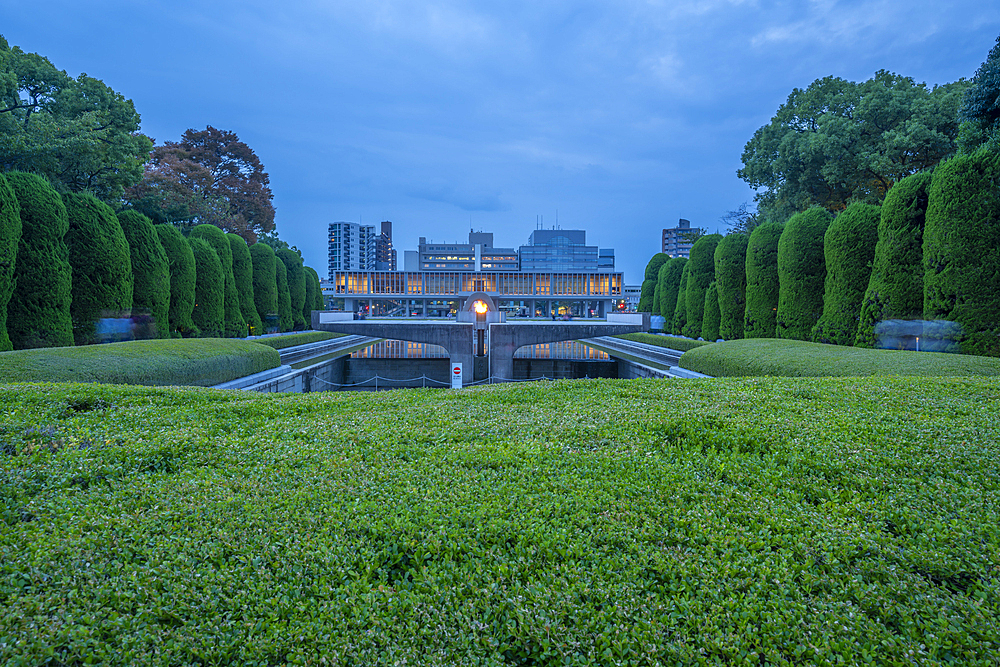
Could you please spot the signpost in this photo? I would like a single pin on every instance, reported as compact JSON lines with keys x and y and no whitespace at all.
{"x":456,"y":375}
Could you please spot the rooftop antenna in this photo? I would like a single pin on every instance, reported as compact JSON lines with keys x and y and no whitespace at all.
{"x":557,"y":218}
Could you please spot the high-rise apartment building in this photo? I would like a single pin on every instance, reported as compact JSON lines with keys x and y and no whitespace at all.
{"x":674,"y":243}
{"x":564,"y":250}
{"x":351,"y":247}
{"x":385,"y":255}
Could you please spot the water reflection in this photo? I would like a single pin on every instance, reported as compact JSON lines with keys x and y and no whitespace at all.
{"x":402,"y":349}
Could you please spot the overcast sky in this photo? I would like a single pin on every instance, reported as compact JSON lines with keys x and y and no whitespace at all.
{"x":441,"y":115}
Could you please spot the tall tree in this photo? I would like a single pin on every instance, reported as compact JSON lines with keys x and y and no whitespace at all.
{"x":209,"y":289}
{"x":296,"y":286}
{"x":286,"y":322}
{"x":150,"y":274}
{"x":650,"y":277}
{"x":801,"y":273}
{"x":208,"y":177}
{"x":838,"y":141}
{"x":243,"y":275}
{"x":265,"y":285}
{"x":762,"y":281}
{"x":234,"y":325}
{"x":669,"y":285}
{"x":183,"y":275}
{"x":980,"y":111}
{"x":79,"y":133}
{"x":680,"y":309}
{"x":10,"y":237}
{"x":731,"y":284}
{"x":701,"y":274}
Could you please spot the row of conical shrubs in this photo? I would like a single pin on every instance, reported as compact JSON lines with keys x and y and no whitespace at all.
{"x":930,"y":251}
{"x":69,"y":263}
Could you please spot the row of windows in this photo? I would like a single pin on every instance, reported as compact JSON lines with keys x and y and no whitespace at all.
{"x":454,"y":282}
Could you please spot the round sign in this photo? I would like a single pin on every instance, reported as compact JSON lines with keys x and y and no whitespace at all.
{"x":456,"y":370}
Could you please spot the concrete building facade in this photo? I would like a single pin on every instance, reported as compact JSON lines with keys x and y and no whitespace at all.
{"x":673,"y":242}
{"x":562,"y":250}
{"x":351,"y":247}
{"x":478,"y":254}
{"x":385,"y":254}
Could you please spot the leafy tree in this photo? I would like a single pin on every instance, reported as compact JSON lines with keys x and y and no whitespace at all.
{"x":980,"y":111}
{"x":710,"y":322}
{"x":265,"y":285}
{"x":150,"y":273}
{"x":101,"y":262}
{"x":801,"y":273}
{"x":79,"y":133}
{"x":742,"y":220}
{"x":848,"y":249}
{"x":285,"y":320}
{"x":208,"y":177}
{"x":183,"y":276}
{"x":731,"y":284}
{"x":243,"y":277}
{"x":234,"y":326}
{"x":38,"y":314}
{"x":653,"y":266}
{"x":209,"y":289}
{"x":701,"y":274}
{"x":296,"y":286}
{"x":669,"y":285}
{"x":762,"y":281}
{"x":837,"y":141}
{"x":318,"y":302}
{"x":680,"y":310}
{"x":962,"y":249}
{"x":896,"y":285}
{"x":10,"y":237}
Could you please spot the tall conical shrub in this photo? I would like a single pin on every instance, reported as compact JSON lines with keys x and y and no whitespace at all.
{"x":101,"y":262}
{"x":265,"y":286}
{"x":646,"y":294}
{"x":10,"y":237}
{"x":150,"y":274}
{"x":234,"y":326}
{"x":669,"y":282}
{"x":801,"y":273}
{"x":243,"y":277}
{"x":962,"y":249}
{"x":209,"y":289}
{"x":896,"y":286}
{"x":183,"y":275}
{"x":848,"y":249}
{"x":701,"y":274}
{"x":311,"y":286}
{"x":680,"y":309}
{"x":285,"y":320}
{"x":649,"y":282}
{"x":38,"y":314}
{"x":296,"y":285}
{"x":731,"y":284}
{"x":318,"y":302}
{"x":762,"y":281}
{"x":710,"y":321}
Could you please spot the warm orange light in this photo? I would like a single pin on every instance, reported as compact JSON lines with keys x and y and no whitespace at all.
{"x":480,"y":307}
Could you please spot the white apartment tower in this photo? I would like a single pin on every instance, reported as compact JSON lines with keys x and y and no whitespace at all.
{"x":351,"y":247}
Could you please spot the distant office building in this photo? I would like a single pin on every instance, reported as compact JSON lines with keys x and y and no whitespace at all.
{"x":476,"y":255}
{"x":351,"y":247}
{"x":385,"y":255}
{"x":564,"y":250}
{"x":632,"y":294}
{"x":673,"y":243}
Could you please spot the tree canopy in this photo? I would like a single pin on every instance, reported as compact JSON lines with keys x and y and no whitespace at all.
{"x":838,"y":141}
{"x":79,"y":133}
{"x":980,"y":111}
{"x":208,"y":177}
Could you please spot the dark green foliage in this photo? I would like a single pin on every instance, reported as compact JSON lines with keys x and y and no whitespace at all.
{"x":670,"y":342}
{"x":656,"y":300}
{"x":10,"y":237}
{"x":234,"y":326}
{"x":980,"y":110}
{"x":318,"y":303}
{"x":285,"y":320}
{"x":646,"y":296}
{"x":180,"y":262}
{"x":102,"y":267}
{"x":209,"y":289}
{"x":311,"y":285}
{"x":896,"y":285}
{"x":296,"y":285}
{"x":962,"y":249}
{"x":848,"y":249}
{"x":243,"y":280}
{"x":710,"y":321}
{"x":762,"y":281}
{"x":731,"y":284}
{"x":292,"y":340}
{"x":701,"y":274}
{"x":38,"y":313}
{"x":680,"y":310}
{"x":265,"y":285}
{"x":668,"y":285}
{"x":801,"y":273}
{"x":653,"y":266}
{"x":150,"y":273}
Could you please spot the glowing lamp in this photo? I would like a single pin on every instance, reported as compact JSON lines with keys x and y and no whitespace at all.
{"x":480,"y":307}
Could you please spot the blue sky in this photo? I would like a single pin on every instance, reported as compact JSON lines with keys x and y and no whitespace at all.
{"x":441,"y":115}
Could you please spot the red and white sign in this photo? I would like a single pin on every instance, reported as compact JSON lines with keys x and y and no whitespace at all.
{"x":456,"y":376}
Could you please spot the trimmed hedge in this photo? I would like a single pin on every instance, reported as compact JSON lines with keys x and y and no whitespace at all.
{"x":646,"y":296}
{"x":790,"y":358}
{"x":701,"y":274}
{"x":680,"y":310}
{"x":10,"y":238}
{"x":180,"y":261}
{"x":762,"y":281}
{"x":318,"y":302}
{"x":102,"y":267}
{"x":649,"y":283}
{"x":234,"y":326}
{"x":150,"y":273}
{"x":654,"y":265}
{"x":38,"y":314}
{"x":285,"y":320}
{"x":265,"y":285}
{"x":209,"y":289}
{"x":243,"y":279}
{"x":669,"y":284}
{"x":851,"y":520}
{"x":312,"y":285}
{"x":291,"y":340}
{"x":962,"y":249}
{"x":670,"y":342}
{"x":710,"y":322}
{"x":801,"y":273}
{"x":848,"y":250}
{"x":896,"y":286}
{"x":197,"y":362}
{"x":731,"y":284}
{"x":296,"y":285}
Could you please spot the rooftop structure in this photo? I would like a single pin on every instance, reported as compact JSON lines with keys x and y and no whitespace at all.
{"x":674,"y":243}
{"x":564,"y":250}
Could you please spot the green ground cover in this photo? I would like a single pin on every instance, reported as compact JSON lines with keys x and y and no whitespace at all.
{"x":291,"y":340}
{"x":594,"y":522}
{"x":201,"y":362}
{"x":790,"y":358}
{"x":671,"y":342}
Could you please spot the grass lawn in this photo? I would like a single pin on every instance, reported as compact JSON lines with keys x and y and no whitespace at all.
{"x":291,"y":340}
{"x":672,"y":342}
{"x":794,"y":358}
{"x":581,"y":522}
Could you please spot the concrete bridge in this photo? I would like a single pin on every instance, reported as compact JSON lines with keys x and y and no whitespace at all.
{"x":458,"y":338}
